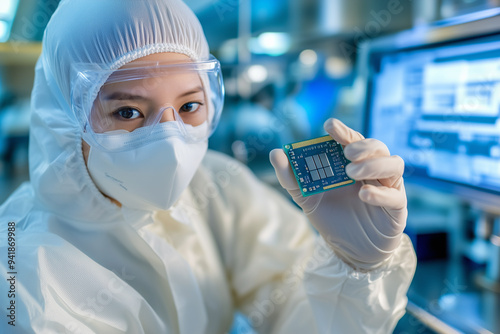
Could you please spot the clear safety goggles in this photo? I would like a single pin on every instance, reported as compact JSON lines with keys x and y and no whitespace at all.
{"x":131,"y":106}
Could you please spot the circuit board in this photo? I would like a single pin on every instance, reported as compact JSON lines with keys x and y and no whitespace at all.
{"x":318,"y":165}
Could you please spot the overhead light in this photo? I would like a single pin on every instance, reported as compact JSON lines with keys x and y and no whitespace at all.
{"x":270,"y":43}
{"x":7,"y":7}
{"x":257,"y":73}
{"x":337,"y":67}
{"x":4,"y":31}
{"x":7,"y":12}
{"x":229,"y":50}
{"x":308,"y":57}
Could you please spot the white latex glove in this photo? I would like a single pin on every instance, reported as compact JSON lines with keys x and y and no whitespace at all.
{"x":363,"y":223}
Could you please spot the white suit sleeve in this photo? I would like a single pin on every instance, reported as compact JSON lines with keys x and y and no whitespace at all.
{"x":346,"y":301}
{"x":285,"y":279}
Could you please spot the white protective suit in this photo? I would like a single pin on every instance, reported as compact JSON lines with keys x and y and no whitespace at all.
{"x":84,"y":265}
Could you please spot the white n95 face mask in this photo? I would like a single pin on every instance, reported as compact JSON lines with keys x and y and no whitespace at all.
{"x":151,"y":176}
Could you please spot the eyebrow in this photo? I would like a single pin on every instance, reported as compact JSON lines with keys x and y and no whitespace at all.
{"x":124,"y":96}
{"x":192,"y":91}
{"x":129,"y":97}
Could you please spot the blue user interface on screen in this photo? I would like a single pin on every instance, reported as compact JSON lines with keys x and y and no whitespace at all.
{"x":438,"y":107}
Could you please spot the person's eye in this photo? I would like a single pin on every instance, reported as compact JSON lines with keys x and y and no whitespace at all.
{"x":190,"y":107}
{"x":128,"y":113}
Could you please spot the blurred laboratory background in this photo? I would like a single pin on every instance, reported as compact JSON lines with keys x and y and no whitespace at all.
{"x":422,"y":76}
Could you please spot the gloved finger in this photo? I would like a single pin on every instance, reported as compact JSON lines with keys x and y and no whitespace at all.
{"x":341,"y":132}
{"x":283,"y":169}
{"x":289,"y":183}
{"x":385,"y":169}
{"x":390,"y":198}
{"x":365,"y":149}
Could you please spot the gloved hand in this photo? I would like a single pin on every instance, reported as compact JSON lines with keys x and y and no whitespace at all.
{"x":363,"y":223}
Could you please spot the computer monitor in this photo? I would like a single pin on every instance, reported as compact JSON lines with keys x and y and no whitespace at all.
{"x":435,"y":101}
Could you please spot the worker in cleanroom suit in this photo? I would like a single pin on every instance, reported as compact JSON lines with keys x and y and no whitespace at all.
{"x":129,"y":225}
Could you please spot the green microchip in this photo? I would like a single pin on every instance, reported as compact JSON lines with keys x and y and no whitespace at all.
{"x":318,"y":165}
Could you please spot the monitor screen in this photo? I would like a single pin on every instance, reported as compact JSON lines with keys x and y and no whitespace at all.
{"x":438,"y":107}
